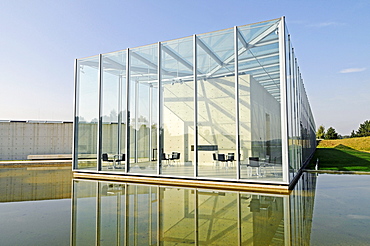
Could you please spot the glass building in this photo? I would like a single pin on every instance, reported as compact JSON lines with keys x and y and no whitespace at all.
{"x":228,"y":105}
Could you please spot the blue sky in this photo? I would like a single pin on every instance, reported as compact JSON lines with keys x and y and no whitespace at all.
{"x":39,"y":41}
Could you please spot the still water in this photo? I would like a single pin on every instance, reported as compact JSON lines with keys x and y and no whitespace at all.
{"x":45,"y":206}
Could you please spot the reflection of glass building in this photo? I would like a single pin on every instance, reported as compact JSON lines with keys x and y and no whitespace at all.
{"x":113,"y":213}
{"x":228,"y":105}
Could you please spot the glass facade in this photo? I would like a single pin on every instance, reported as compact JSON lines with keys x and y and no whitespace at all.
{"x":228,"y":105}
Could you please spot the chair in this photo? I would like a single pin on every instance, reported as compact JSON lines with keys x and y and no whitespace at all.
{"x":253,"y":162}
{"x":123,"y":158}
{"x":105,"y":158}
{"x":231,"y":157}
{"x":215,"y":160}
{"x":175,"y":157}
{"x":267,"y":159}
{"x":221,"y":158}
{"x":164,"y":158}
{"x":120,"y":158}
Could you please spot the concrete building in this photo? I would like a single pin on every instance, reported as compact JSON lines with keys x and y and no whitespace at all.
{"x":226,"y":106}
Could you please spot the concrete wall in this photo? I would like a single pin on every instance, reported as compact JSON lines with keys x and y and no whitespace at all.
{"x":21,"y":138}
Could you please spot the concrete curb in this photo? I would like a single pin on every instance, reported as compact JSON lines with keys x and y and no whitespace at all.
{"x":39,"y":163}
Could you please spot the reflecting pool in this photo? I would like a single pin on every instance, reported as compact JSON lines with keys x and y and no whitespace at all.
{"x":35,"y":206}
{"x":41,"y":206}
{"x":342,"y":210}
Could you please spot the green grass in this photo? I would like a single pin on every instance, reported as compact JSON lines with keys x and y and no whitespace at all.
{"x":360,"y":144}
{"x":343,"y":155}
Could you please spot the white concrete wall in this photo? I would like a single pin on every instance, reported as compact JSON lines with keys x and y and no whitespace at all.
{"x":19,"y":139}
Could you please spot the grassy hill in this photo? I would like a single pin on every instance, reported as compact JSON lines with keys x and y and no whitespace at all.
{"x":360,"y":144}
{"x":351,"y":154}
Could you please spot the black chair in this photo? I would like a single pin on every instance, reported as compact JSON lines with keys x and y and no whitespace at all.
{"x":164,"y":157}
{"x":254,"y":162}
{"x":175,"y":157}
{"x":105,"y":158}
{"x":215,"y":160}
{"x":221,"y":158}
{"x":123,"y":158}
{"x":231,"y":157}
{"x":120,"y":158}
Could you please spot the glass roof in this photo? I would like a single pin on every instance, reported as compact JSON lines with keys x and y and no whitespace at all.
{"x":258,"y":56}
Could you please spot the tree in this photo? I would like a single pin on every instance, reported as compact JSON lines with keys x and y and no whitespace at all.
{"x":320,"y":134}
{"x":364,"y":129}
{"x":331,"y":133}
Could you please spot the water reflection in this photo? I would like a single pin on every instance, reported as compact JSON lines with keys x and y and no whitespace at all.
{"x":112,"y":213}
{"x":35,"y":206}
{"x":35,"y":183}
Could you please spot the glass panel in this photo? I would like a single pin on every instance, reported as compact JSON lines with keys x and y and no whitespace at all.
{"x":292,"y":119}
{"x":216,"y":105}
{"x":84,"y":214}
{"x":301,"y":126}
{"x":143,"y":84}
{"x":87,"y":113}
{"x":259,"y":102}
{"x":178,"y":107}
{"x":114,"y":111}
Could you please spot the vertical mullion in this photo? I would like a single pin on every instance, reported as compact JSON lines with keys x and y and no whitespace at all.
{"x":288,"y":99}
{"x":195,"y":66}
{"x":158,"y":215}
{"x":119,"y":208}
{"x":239,"y":219}
{"x":136,"y":121}
{"x":287,"y":220}
{"x":119,"y":115}
{"x":73,"y":228}
{"x":126,"y":214}
{"x":136,"y":217}
{"x":237,"y":130}
{"x":150,"y":122}
{"x":298,"y":135}
{"x":196,"y":223}
{"x":150,"y":216}
{"x":300,"y":113}
{"x":76,"y":118}
{"x":159,"y":112}
{"x":294,"y":114}
{"x":283,"y":101}
{"x":97,"y":214}
{"x":127,"y":150}
{"x":100,"y":127}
